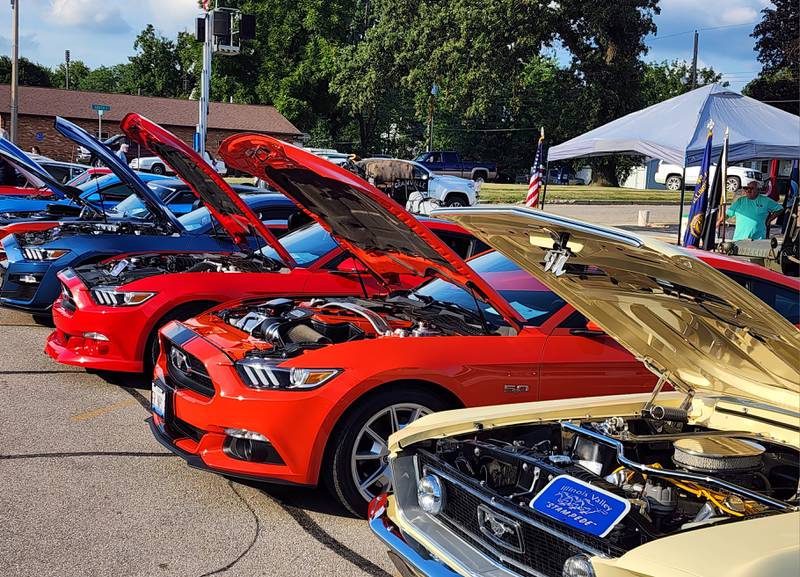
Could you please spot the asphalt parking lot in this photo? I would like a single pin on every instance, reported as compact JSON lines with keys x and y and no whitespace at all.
{"x":87,"y":491}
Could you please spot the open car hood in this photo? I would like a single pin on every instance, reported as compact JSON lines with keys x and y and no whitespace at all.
{"x":681,"y":317}
{"x":238,"y":220}
{"x":126,"y":175}
{"x":40,"y":178}
{"x":374,"y":228}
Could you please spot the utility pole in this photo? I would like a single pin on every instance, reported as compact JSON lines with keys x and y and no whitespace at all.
{"x":14,"y":70}
{"x":434,"y":93}
{"x":66,"y":68}
{"x":694,"y":62}
{"x":205,"y":84}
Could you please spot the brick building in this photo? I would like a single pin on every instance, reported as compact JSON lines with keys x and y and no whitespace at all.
{"x":38,"y":107}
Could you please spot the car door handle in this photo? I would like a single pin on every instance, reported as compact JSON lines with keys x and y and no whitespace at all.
{"x":586,"y":333}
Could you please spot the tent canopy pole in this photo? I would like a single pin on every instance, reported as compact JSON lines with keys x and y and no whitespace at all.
{"x":680,"y":210}
{"x":544,"y":186}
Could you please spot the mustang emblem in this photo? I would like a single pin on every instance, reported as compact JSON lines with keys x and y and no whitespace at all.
{"x":179,"y":360}
{"x":500,"y":529}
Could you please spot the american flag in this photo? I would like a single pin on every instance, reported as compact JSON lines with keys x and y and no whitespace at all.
{"x":535,"y":184}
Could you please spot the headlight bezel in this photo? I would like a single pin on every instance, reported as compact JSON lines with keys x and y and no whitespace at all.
{"x":116,"y":298}
{"x":266,"y":375}
{"x":37,"y":254}
{"x":431,"y":494}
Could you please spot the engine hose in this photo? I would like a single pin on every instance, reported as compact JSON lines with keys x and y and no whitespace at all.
{"x":660,"y":413}
{"x":305,"y":334}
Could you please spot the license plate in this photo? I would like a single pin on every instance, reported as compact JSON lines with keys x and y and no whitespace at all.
{"x":158,"y":399}
{"x":580,"y":505}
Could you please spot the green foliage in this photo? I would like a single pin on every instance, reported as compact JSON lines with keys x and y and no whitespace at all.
{"x":778,"y":45}
{"x":30,"y":73}
{"x":78,"y":71}
{"x":154,"y":69}
{"x":664,"y":80}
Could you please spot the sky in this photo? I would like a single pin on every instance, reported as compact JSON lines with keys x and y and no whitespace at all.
{"x":102,"y":31}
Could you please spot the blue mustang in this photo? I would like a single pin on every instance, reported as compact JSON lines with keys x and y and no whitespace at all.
{"x":36,"y":257}
{"x":66,"y":202}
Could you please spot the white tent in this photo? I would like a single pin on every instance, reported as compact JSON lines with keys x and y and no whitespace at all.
{"x":675,"y":130}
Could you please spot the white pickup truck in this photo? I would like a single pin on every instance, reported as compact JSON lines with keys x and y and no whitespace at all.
{"x":738,"y":176}
{"x":156,"y":165}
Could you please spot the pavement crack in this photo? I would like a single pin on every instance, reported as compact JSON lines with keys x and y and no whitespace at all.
{"x":252,"y":542}
{"x":82,"y":454}
{"x":140,"y":398}
{"x":314,"y":530}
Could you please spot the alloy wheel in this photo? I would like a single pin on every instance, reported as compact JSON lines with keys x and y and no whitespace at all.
{"x":369,"y":460}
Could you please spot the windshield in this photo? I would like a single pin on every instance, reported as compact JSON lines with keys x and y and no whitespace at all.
{"x":305,"y":245}
{"x":131,"y":207}
{"x":197,"y":219}
{"x":532,"y":300}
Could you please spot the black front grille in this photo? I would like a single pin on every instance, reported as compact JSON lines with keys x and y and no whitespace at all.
{"x":23,"y":292}
{"x":179,"y":428}
{"x":67,"y":302}
{"x":187,"y":371}
{"x":546,"y":547}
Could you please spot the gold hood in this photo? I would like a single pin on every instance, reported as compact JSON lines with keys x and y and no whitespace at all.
{"x":679,"y":316}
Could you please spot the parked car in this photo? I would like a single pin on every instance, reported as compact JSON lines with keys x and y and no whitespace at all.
{"x":56,"y":201}
{"x":113,"y":142}
{"x":62,"y":171}
{"x":35,"y":258}
{"x":399,"y":179}
{"x":670,"y":175}
{"x":156,"y":165}
{"x":698,"y":481}
{"x":450,"y":163}
{"x":89,"y":174}
{"x":307,"y":390}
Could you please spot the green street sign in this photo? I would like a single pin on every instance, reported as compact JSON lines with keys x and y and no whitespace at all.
{"x":99,"y":107}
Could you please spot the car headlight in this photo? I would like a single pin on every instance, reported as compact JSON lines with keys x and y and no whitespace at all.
{"x":578,"y":566}
{"x":113,"y":298}
{"x":265,"y":374}
{"x":32,"y":253}
{"x":430,"y":494}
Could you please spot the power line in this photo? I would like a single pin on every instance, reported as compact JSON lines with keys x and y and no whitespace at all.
{"x":704,"y":30}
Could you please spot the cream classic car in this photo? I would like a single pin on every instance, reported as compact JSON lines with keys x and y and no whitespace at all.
{"x":699,"y":480}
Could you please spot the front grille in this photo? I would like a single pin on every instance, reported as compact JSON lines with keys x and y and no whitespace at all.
{"x":547,"y":544}
{"x":187,"y":371}
{"x":67,"y":302}
{"x":180,"y":429}
{"x":23,"y":292}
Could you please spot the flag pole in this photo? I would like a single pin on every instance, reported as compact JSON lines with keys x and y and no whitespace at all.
{"x":724,"y":174}
{"x":544,"y":186}
{"x":683,"y":198}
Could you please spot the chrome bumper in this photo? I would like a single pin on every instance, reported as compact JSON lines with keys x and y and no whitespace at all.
{"x":409,"y":562}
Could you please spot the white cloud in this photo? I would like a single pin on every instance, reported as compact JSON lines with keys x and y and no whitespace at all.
{"x":713,"y":12}
{"x":98,"y":16}
{"x":738,"y":15}
{"x":171,"y":16}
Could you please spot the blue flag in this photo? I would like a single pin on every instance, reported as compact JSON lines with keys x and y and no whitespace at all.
{"x":791,"y":196}
{"x":697,"y":213}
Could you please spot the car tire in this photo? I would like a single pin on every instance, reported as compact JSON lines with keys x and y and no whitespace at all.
{"x":158,"y":169}
{"x":480,"y":176}
{"x":673,"y":182}
{"x":456,"y":199}
{"x":732,"y":184}
{"x":364,"y":431}
{"x":152,"y":347}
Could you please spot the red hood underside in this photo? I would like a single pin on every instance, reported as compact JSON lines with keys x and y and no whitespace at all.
{"x":374,"y":228}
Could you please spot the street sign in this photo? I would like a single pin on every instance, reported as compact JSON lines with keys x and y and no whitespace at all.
{"x":39,"y":136}
{"x":101,"y":107}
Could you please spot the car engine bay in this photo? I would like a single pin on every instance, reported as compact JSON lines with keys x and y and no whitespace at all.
{"x":40,"y":237}
{"x":120,"y":271}
{"x":293,"y":326}
{"x":676,"y":476}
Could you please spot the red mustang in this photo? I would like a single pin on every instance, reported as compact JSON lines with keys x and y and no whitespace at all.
{"x":302,"y":390}
{"x":115,"y":335}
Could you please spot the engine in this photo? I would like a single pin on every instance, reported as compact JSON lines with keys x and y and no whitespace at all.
{"x":292,"y":326}
{"x":673,"y":481}
{"x":122,"y":271}
{"x":40,"y":237}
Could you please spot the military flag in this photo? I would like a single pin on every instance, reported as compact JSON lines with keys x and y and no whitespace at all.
{"x":697,"y":213}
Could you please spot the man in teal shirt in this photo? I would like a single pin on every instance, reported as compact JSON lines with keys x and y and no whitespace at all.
{"x":752,"y":210}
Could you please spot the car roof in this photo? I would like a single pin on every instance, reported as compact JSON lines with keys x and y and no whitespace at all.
{"x":734,"y":264}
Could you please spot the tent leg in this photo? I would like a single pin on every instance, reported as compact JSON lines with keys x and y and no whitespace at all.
{"x":680,"y":210}
{"x":544,"y":185}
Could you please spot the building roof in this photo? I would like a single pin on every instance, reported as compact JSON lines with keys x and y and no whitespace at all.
{"x":37,"y":101}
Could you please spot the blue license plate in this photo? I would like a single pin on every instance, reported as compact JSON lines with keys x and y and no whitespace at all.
{"x":580,"y":505}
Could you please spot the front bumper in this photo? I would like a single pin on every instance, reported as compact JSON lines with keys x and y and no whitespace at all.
{"x":196,"y":420}
{"x":409,"y":561}
{"x":126,"y":329}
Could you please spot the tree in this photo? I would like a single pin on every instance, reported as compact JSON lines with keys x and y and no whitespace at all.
{"x":106,"y":78}
{"x":78,"y":71}
{"x":30,"y":73}
{"x":778,"y":46}
{"x":154,"y":68}
{"x":606,"y":40}
{"x":664,"y":80}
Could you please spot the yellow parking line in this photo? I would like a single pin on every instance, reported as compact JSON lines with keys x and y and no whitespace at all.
{"x":102,"y":410}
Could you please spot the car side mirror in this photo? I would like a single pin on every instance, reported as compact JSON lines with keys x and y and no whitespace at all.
{"x":351,"y":265}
